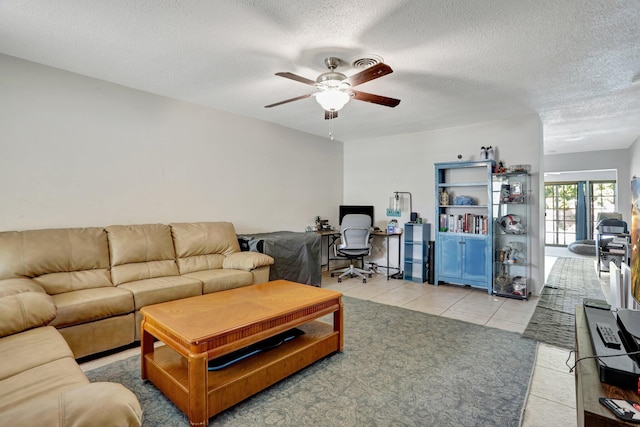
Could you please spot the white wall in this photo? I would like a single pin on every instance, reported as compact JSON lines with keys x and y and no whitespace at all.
{"x":617,"y":160}
{"x":634,"y":158}
{"x":375,"y":168}
{"x":76,"y":151}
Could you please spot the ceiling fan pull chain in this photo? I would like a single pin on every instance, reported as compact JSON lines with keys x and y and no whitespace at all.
{"x":331,"y":132}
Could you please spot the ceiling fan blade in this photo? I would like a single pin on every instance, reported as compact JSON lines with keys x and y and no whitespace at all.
{"x":375,"y":99}
{"x":289,"y":100}
{"x":370,"y":73}
{"x":328,"y":115}
{"x":297,"y":78}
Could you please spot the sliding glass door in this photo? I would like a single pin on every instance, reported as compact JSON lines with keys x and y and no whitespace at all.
{"x":560,"y":213}
{"x":603,"y":199}
{"x":561,"y":209}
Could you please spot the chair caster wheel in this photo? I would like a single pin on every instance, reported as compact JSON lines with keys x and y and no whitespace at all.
{"x":331,"y":274}
{"x":339,"y":280}
{"x":364,"y":280}
{"x":370,"y":276}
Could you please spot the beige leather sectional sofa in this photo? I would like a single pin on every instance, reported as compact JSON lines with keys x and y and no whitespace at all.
{"x":89,"y":285}
{"x":40,"y":382}
{"x":99,"y":278}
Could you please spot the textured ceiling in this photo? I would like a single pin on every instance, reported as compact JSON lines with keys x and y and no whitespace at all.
{"x":454,"y":62}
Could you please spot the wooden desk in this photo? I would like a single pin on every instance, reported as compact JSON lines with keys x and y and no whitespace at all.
{"x":333,"y":235}
{"x":591,"y":413}
{"x":383,"y":233}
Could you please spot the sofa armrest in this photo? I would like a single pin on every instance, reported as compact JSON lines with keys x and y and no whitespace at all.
{"x":118,"y":406}
{"x":99,"y":404}
{"x":246,"y":261}
{"x":19,"y":285}
{"x":24,"y":305}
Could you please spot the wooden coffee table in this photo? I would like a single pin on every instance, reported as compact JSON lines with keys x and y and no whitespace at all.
{"x":198,"y":329}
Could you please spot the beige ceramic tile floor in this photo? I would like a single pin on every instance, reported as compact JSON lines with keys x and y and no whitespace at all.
{"x":551,"y":400}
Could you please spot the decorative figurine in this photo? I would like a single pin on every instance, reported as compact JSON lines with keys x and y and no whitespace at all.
{"x":444,"y":198}
{"x":505,"y":192}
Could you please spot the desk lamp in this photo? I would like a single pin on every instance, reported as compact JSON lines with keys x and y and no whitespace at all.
{"x":395,"y":204}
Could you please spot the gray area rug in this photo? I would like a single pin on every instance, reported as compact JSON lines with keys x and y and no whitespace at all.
{"x":570,"y":281}
{"x":399,"y":368}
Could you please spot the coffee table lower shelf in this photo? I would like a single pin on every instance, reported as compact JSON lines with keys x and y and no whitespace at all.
{"x":168,"y":370}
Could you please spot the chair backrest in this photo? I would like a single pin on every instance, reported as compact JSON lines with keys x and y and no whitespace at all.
{"x":355,"y":230}
{"x":609,"y":215}
{"x":612,"y":226}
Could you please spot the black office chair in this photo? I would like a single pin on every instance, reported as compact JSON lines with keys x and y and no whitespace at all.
{"x":355,"y":232}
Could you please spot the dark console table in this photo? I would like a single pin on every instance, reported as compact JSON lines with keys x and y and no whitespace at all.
{"x":591,"y":413}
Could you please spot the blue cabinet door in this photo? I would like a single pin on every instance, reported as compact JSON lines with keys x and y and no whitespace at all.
{"x":475,"y":258}
{"x":463,"y":259}
{"x":450,"y":256}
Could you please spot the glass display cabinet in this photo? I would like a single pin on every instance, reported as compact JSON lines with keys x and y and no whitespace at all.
{"x":511,"y":243}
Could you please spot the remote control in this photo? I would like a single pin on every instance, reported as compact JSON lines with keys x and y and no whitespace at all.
{"x":623,"y":409}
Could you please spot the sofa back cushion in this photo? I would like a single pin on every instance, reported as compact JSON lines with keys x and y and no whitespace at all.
{"x":141,"y":252}
{"x":60,"y":260}
{"x":203,"y":245}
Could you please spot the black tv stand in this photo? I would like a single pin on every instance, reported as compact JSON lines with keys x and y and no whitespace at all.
{"x":615,"y":367}
{"x":629,"y":324}
{"x":589,"y":388}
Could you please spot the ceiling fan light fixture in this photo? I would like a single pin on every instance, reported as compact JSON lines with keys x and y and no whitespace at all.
{"x":332,"y":78}
{"x":334,"y":89}
{"x":332,"y":99}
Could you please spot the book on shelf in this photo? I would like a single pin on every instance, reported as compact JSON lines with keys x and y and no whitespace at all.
{"x":464,"y":223}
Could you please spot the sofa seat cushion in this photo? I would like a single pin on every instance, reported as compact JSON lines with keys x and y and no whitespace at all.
{"x":220,"y":280}
{"x":246,"y":261}
{"x":24,"y":351}
{"x":117,"y":407}
{"x":91,"y":304}
{"x":47,"y":380}
{"x":162,"y":289}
